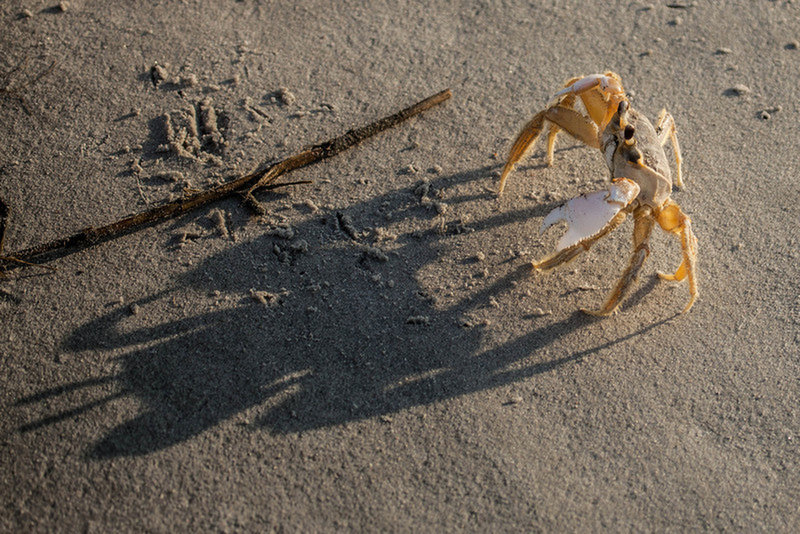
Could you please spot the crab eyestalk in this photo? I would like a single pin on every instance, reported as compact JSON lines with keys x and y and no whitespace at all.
{"x":622,"y":111}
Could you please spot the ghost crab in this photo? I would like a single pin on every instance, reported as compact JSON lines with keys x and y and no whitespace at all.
{"x":640,"y":181}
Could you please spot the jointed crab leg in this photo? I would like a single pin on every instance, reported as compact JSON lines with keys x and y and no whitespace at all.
{"x":568,"y":102}
{"x":665,"y":128}
{"x":524,"y":140}
{"x":574,"y":124}
{"x":600,"y":94}
{"x":674,"y":221}
{"x":642,"y":228}
{"x":561,"y":117}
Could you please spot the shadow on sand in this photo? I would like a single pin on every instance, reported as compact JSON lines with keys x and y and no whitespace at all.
{"x":334,"y":345}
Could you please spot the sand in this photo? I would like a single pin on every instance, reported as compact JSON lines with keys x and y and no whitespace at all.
{"x":375,"y":353}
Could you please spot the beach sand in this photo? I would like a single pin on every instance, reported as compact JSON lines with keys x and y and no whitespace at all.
{"x":375,"y":353}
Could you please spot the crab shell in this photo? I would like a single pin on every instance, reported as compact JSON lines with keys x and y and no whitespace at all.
{"x":640,"y":159}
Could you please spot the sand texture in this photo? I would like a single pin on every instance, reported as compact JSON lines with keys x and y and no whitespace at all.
{"x":374,"y":352}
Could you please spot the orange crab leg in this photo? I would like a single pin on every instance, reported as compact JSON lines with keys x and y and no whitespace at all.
{"x":665,"y":128}
{"x":574,"y":124}
{"x":674,"y":221}
{"x":600,"y":94}
{"x":561,"y":117}
{"x":524,"y":140}
{"x":568,"y":102}
{"x":642,"y":228}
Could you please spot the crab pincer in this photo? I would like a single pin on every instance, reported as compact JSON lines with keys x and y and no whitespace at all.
{"x":589,"y":217}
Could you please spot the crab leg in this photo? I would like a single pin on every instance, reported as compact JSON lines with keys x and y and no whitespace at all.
{"x":530,"y":133}
{"x":524,"y":140}
{"x":574,"y":124}
{"x":600,"y":94}
{"x":567,"y":102}
{"x":665,"y":128}
{"x":551,"y":143}
{"x":673,"y":220}
{"x":561,"y":118}
{"x":642,"y":228}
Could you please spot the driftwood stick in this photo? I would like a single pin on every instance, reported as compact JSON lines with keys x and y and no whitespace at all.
{"x":4,"y":213}
{"x":3,"y":222}
{"x":261,"y":178}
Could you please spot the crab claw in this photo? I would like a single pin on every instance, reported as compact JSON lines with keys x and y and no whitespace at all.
{"x":607,"y":84}
{"x":587,"y":215}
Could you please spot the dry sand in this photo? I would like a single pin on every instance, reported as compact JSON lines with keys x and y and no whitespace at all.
{"x":375,"y":354}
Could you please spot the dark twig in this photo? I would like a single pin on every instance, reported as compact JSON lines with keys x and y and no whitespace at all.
{"x":261,"y":178}
{"x":3,"y":222}
{"x":286,"y":184}
{"x":4,"y":216}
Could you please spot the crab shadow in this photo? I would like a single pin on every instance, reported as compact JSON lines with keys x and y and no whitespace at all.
{"x":335,"y":340}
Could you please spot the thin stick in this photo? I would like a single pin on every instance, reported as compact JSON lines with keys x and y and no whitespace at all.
{"x":3,"y":221}
{"x":4,"y":213}
{"x":249,"y":183}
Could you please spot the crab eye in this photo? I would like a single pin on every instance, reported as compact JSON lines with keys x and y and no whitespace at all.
{"x":634,"y":156}
{"x":623,"y":107}
{"x":629,"y":131}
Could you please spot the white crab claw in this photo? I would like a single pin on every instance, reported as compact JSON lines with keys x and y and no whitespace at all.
{"x":587,"y":214}
{"x":587,"y":82}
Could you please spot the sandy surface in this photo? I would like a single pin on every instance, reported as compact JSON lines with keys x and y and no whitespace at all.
{"x":375,"y":352}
